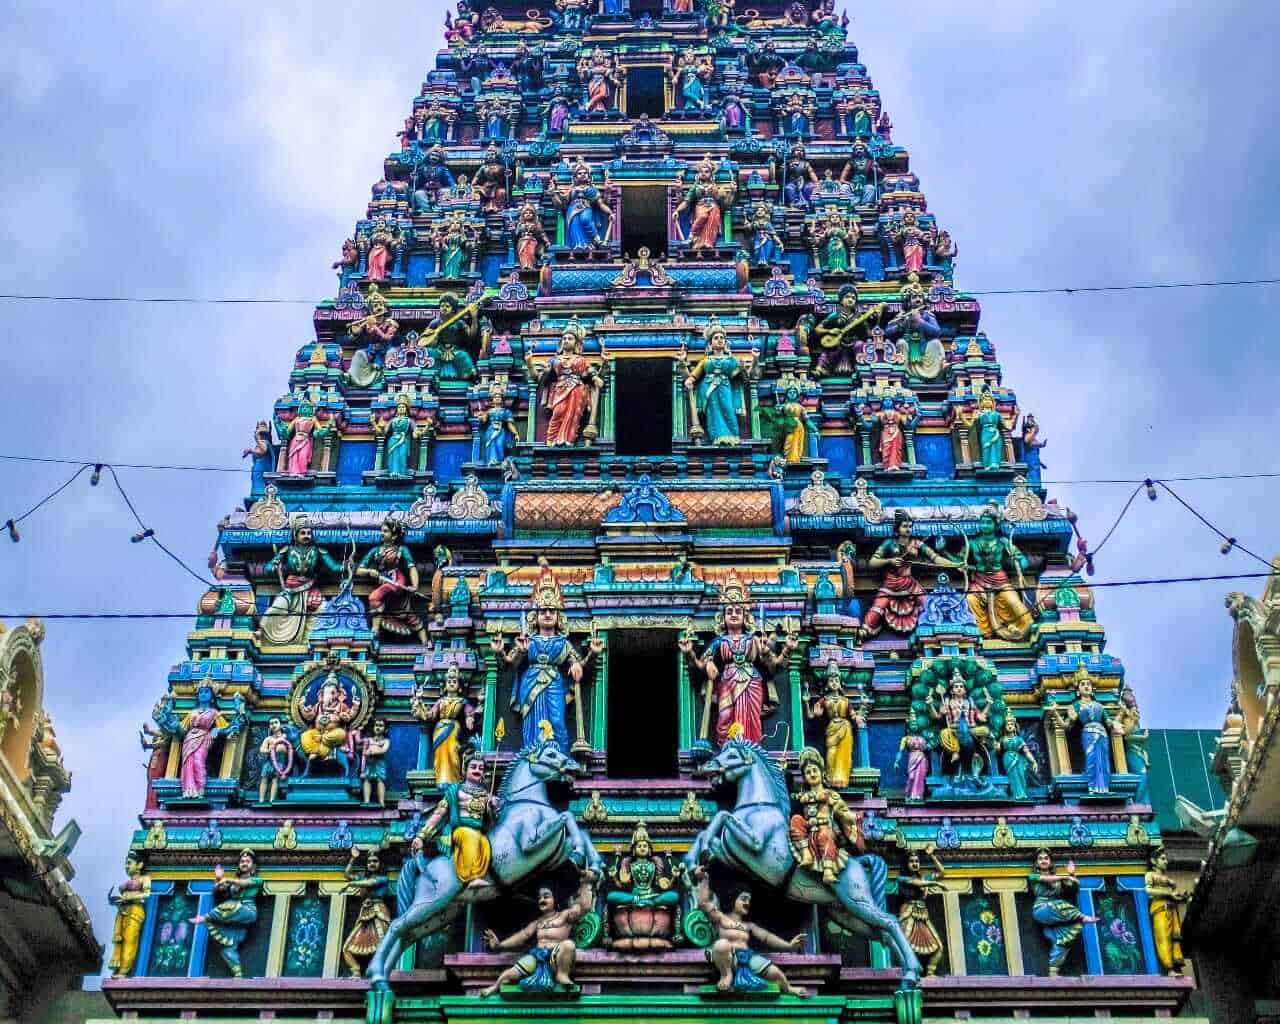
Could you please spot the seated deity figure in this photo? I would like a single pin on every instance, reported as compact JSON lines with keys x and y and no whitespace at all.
{"x":298,"y":567}
{"x":801,"y":179}
{"x":917,"y":328}
{"x":452,"y":339}
{"x":861,"y":174}
{"x":645,"y":903}
{"x":964,"y":730}
{"x":328,"y":717}
{"x":840,"y":332}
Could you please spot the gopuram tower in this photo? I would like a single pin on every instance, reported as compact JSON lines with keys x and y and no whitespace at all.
{"x":647,"y":604}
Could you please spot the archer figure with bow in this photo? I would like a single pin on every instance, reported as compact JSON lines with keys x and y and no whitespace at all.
{"x":391,"y":601}
{"x":900,"y":597}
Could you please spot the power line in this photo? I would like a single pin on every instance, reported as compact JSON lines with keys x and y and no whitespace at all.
{"x":195,"y":300}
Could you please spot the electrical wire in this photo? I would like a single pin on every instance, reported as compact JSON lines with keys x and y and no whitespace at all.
{"x":194,"y":300}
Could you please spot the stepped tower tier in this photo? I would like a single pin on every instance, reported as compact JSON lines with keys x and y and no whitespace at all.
{"x":648,"y":523}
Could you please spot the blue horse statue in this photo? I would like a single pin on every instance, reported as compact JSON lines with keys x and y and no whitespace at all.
{"x":529,"y":836}
{"x":753,"y":838}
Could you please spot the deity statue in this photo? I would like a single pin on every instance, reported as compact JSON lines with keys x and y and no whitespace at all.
{"x":1137,"y":761}
{"x":527,"y":66}
{"x":130,"y":900}
{"x":198,"y":729}
{"x":1163,"y":898}
{"x":801,"y":180}
{"x":572,"y":389}
{"x":795,"y":117}
{"x":739,"y":968}
{"x":716,"y":384}
{"x":603,"y":77}
{"x":766,"y":244}
{"x":570,"y":15}
{"x":348,"y":261}
{"x":862,"y":174}
{"x":1095,"y":725}
{"x":733,"y":114}
{"x":383,"y":242}
{"x":892,"y":441}
{"x":399,"y":432}
{"x":588,"y":219}
{"x":993,"y":599}
{"x":643,"y":908}
{"x":466,"y":811}
{"x":1031,"y":445}
{"x":705,"y":202}
{"x":917,"y":328}
{"x":300,"y":435}
{"x":916,"y":887}
{"x":945,"y":252}
{"x":1059,"y":918}
{"x":823,"y":827}
{"x":839,"y":333}
{"x":739,"y":665}
{"x":899,"y":597}
{"x":990,"y":427}
{"x":433,"y":177}
{"x":964,"y":728}
{"x":235,"y":909}
{"x":551,"y":665}
{"x":792,"y":426}
{"x":454,"y":717}
{"x":391,"y":564}
{"x":835,"y":239}
{"x":371,"y":884}
{"x":548,"y":966}
{"x":916,"y":747}
{"x":373,"y":751}
{"x":491,"y":180}
{"x":531,"y":238}
{"x":765,"y":62}
{"x":380,"y":329}
{"x":1016,"y":759}
{"x":559,"y":111}
{"x":842,"y":717}
{"x":327,"y":718}
{"x":499,"y":429}
{"x":455,"y":243}
{"x":453,"y":339}
{"x":462,"y":27}
{"x":914,"y":240}
{"x":277,"y":753}
{"x":691,"y":78}
{"x":437,"y":126}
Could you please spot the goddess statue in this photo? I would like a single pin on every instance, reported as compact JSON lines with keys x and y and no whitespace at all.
{"x":705,"y":202}
{"x":990,"y":425}
{"x":583,"y":206}
{"x":1095,"y":725}
{"x":842,"y":717}
{"x":130,"y":900}
{"x":716,"y":383}
{"x":298,"y":566}
{"x":531,"y":238}
{"x":198,"y":728}
{"x":835,"y":240}
{"x":766,"y":245}
{"x":603,"y":78}
{"x":391,"y":601}
{"x":300,"y":435}
{"x":916,"y":747}
{"x":454,"y":717}
{"x":691,"y":79}
{"x":644,"y":906}
{"x":915,"y":888}
{"x":1016,"y":759}
{"x":383,"y":242}
{"x":1059,"y":918}
{"x":800,"y":177}
{"x":235,"y":909}
{"x":371,"y":884}
{"x":455,"y":241}
{"x":499,"y":429}
{"x":400,"y":431}
{"x":913,"y":239}
{"x":1163,"y":898}
{"x":1137,"y":760}
{"x":572,"y":389}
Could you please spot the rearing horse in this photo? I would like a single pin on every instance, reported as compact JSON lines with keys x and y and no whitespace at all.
{"x":754,"y":839}
{"x":529,"y":836}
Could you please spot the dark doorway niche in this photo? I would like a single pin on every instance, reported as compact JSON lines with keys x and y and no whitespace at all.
{"x":653,"y":8}
{"x":644,"y":220}
{"x":642,"y":412}
{"x":644,"y":708}
{"x":646,"y":87}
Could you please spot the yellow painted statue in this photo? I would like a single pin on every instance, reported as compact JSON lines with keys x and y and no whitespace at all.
{"x":467,"y":810}
{"x":841,"y":718}
{"x":453,"y":717}
{"x":130,"y":901}
{"x":1163,"y":898}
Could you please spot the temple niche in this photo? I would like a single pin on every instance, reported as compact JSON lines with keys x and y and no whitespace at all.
{"x":646,"y":596}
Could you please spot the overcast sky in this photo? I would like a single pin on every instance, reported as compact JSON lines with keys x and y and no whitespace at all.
{"x":226,"y":150}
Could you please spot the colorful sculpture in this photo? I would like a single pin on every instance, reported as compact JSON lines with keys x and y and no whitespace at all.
{"x":705,"y":202}
{"x":328,"y":714}
{"x":964,"y":728}
{"x":916,"y":327}
{"x":276,"y":751}
{"x":691,"y":81}
{"x":297,"y":567}
{"x":842,"y":717}
{"x":371,"y":885}
{"x":391,"y":564}
{"x":766,"y":245}
{"x":1128,"y":722}
{"x":373,"y":763}
{"x":1016,"y":759}
{"x":129,"y":899}
{"x":738,"y":665}
{"x":1059,"y":918}
{"x":1163,"y":897}
{"x":716,"y":381}
{"x":916,"y":887}
{"x":839,"y":333}
{"x":995,"y":603}
{"x":643,"y":909}
{"x":899,"y":597}
{"x":571,"y":383}
{"x":454,"y":717}
{"x":916,"y":747}
{"x":531,"y":238}
{"x":823,"y":828}
{"x":588,"y":220}
{"x":235,"y":909}
{"x":1095,"y":728}
{"x":548,"y":966}
{"x":990,"y":427}
{"x":198,"y":729}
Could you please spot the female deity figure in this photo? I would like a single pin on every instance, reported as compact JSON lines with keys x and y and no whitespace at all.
{"x":915,"y":888}
{"x":795,"y":118}
{"x":584,"y":207}
{"x":801,"y":179}
{"x":733,"y":115}
{"x":793,"y":426}
{"x":1016,"y":759}
{"x":1095,"y":724}
{"x":995,"y":603}
{"x":1163,"y":898}
{"x":130,"y":900}
{"x":990,"y":426}
{"x":823,"y":826}
{"x":704,"y":201}
{"x":1137,"y":760}
{"x":298,"y":566}
{"x":916,"y":748}
{"x":373,"y":764}
{"x":1059,"y":918}
{"x":400,"y":432}
{"x":452,"y":339}
{"x":327,"y":719}
{"x":559,"y":112}
{"x":198,"y":728}
{"x":835,"y":239}
{"x":391,"y":601}
{"x":572,"y":391}
{"x":371,"y":922}
{"x":499,"y":430}
{"x":603,"y":78}
{"x":551,"y":665}
{"x":276,"y":751}
{"x":917,"y":328}
{"x":914,"y":240}
{"x":531,"y":238}
{"x":841,"y":719}
{"x":643,"y":907}
{"x":766,"y":245}
{"x":893,"y":441}
{"x":861,"y":173}
{"x":453,"y":717}
{"x":380,"y":329}
{"x":300,"y":435}
{"x":717,"y":382}
{"x":491,"y":180}
{"x":382,"y":245}
{"x":691,"y":79}
{"x":945,"y":252}
{"x":454,"y":242}
{"x":235,"y":909}
{"x":1031,"y":445}
{"x":964,"y":728}
{"x":739,"y":665}
{"x":263,"y":453}
{"x":899,"y":597}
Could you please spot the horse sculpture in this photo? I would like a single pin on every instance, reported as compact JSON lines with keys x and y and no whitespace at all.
{"x":753,"y":838}
{"x":529,"y":836}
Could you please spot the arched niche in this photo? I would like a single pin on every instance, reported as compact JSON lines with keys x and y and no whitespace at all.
{"x":21,"y":670}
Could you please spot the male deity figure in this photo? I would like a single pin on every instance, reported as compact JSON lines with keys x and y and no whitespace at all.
{"x":466,"y":810}
{"x":836,"y":337}
{"x":740,"y":969}
{"x":995,"y":603}
{"x":824,"y":826}
{"x":548,"y":966}
{"x":277,"y":761}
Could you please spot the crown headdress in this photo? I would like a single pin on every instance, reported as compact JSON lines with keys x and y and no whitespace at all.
{"x":810,"y":756}
{"x":546,"y":592}
{"x":732,"y":591}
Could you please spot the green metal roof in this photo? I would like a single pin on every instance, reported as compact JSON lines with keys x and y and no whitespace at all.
{"x":1180,"y":767}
